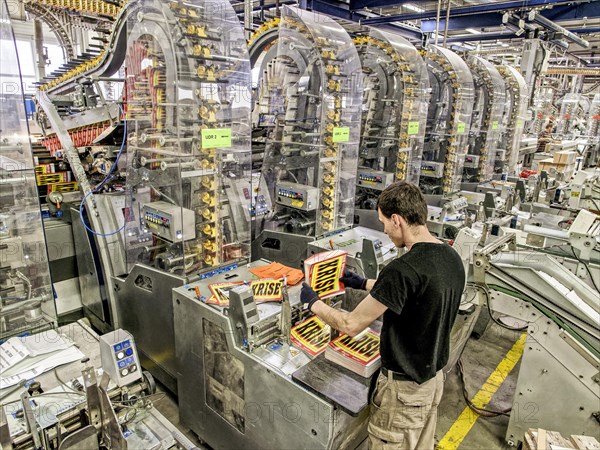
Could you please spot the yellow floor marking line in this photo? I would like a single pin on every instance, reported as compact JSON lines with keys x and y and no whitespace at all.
{"x":461,"y":427}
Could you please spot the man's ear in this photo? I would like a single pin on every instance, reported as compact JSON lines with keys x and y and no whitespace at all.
{"x":401,"y":221}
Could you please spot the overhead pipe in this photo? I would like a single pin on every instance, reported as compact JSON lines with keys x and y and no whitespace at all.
{"x":437,"y":21}
{"x":535,"y":16}
{"x":447,"y":22}
{"x":586,"y":71}
{"x":471,"y":10}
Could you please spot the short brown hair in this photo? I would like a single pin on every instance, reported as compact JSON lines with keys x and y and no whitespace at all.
{"x":406,"y":200}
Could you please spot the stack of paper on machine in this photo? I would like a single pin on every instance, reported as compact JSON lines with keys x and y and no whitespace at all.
{"x":360,"y":353}
{"x":323,"y":271}
{"x":24,"y":358}
{"x":311,"y":336}
{"x":278,"y":271}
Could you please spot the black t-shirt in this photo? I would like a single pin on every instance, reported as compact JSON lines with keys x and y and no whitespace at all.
{"x":422,"y":290}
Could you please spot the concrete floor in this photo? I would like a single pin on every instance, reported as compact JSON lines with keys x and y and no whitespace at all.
{"x":480,"y":359}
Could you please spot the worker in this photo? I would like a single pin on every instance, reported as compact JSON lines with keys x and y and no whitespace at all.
{"x":545,"y":137}
{"x":418,"y":295}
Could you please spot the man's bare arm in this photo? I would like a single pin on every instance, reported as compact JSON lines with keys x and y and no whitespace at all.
{"x":352,"y":322}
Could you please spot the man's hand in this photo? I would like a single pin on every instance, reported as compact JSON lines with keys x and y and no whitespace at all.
{"x":354,"y":281}
{"x":308,"y":296}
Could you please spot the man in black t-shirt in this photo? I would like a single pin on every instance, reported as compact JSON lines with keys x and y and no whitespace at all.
{"x":418,"y":294}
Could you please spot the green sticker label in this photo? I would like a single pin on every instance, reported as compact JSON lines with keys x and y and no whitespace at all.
{"x":461,"y":127}
{"x":216,"y":137}
{"x":520,"y":123}
{"x":495,"y":125}
{"x":413,"y":128}
{"x":341,"y":134}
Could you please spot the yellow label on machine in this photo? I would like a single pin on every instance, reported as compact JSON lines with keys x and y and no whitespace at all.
{"x":216,"y":137}
{"x":461,"y":127}
{"x":341,"y":134}
{"x":413,"y":127}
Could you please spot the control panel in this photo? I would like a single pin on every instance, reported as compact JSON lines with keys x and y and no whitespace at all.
{"x":432,"y":169}
{"x":472,"y":161}
{"x":298,"y":196}
{"x":169,"y":222}
{"x":371,"y":257}
{"x":119,"y":357}
{"x":373,"y":179}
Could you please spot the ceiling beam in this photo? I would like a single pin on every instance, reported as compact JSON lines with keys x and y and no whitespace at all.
{"x":478,"y":9}
{"x":462,"y":22}
{"x":361,"y":4}
{"x":335,"y":10}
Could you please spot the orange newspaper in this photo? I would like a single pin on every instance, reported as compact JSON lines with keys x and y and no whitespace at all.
{"x":220,"y":292}
{"x":323,"y":272}
{"x":278,"y":271}
{"x":311,"y":335}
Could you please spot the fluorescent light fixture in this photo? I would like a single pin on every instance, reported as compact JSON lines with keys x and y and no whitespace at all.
{"x":472,"y":30}
{"x":414,"y":8}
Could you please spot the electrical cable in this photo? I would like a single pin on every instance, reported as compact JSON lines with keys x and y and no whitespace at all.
{"x":60,"y":380}
{"x":483,"y":412}
{"x":104,"y":181}
{"x":489,"y":307}
{"x":586,"y":268}
{"x":594,"y":202}
{"x":464,"y":302}
{"x":128,"y":402}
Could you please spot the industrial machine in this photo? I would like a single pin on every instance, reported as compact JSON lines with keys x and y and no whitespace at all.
{"x":593,"y":133}
{"x":182,"y":193}
{"x":562,"y":346}
{"x":486,"y":122}
{"x":89,"y":409}
{"x":242,"y":385}
{"x":369,"y":250}
{"x":448,"y":121}
{"x":593,"y":130}
{"x":543,"y":109}
{"x":515,"y":115}
{"x":309,"y":94}
{"x":573,"y":113}
{"x":26,"y":298}
{"x":394,"y":117}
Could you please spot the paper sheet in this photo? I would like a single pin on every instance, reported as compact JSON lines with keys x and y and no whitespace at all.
{"x":40,"y":365}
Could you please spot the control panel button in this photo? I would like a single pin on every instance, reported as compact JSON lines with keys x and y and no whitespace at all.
{"x":120,"y":355}
{"x":129,"y":352}
{"x":124,"y":372}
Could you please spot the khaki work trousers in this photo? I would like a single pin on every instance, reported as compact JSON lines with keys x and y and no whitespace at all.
{"x":404,"y":413}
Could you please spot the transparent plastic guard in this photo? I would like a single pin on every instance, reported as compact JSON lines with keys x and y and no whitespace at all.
{"x":311,"y":158}
{"x":396,"y":98}
{"x":26,"y":295}
{"x":486,"y":126}
{"x":542,"y":108}
{"x":515,"y":117}
{"x":449,"y":120}
{"x":188,"y":136}
{"x":573,"y":110}
{"x":593,"y":129}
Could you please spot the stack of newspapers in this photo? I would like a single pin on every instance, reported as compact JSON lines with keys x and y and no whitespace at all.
{"x":360,"y":353}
